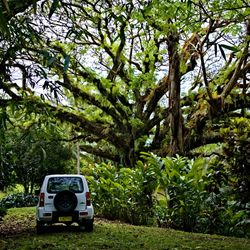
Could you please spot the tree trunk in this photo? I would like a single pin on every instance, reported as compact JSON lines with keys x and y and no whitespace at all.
{"x":176,"y":126}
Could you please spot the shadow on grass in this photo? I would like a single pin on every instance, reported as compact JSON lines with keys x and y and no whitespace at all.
{"x":58,"y":228}
{"x":13,"y":230}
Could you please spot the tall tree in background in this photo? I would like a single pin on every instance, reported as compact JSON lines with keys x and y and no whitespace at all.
{"x":116,"y":70}
{"x":31,"y":148}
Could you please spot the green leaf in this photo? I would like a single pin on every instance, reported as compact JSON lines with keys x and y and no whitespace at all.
{"x":189,"y":3}
{"x":66,"y":62}
{"x":54,"y":5}
{"x":34,"y":6}
{"x":222,"y":52}
{"x":3,"y":23}
{"x":215,"y":49}
{"x":232,"y":48}
{"x":44,"y":154}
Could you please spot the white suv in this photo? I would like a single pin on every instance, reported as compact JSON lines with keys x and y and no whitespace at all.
{"x":64,"y":199}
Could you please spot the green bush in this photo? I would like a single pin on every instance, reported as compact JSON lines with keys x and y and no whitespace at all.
{"x":197,"y":196}
{"x":19,"y":200}
{"x":124,"y":194}
{"x":190,"y":195}
{"x":3,"y":212}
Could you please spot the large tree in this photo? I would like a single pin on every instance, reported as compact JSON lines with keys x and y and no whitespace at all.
{"x":30,"y":148}
{"x":115,"y":71}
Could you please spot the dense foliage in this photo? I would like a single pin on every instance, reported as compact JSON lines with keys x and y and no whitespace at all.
{"x":3,"y":212}
{"x":30,"y":149}
{"x":124,"y":194}
{"x":237,"y":153}
{"x":179,"y":193}
{"x":129,"y":76}
{"x":18,"y":200}
{"x":125,"y":77}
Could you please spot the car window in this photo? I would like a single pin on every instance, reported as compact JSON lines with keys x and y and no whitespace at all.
{"x":57,"y":184}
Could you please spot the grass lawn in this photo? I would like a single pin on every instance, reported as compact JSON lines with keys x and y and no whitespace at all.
{"x":17,"y":231}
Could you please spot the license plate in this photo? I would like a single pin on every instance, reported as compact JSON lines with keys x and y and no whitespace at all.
{"x":65,"y":218}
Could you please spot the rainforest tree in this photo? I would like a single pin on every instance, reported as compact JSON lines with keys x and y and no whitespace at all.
{"x":130,"y":76}
{"x":30,"y":148}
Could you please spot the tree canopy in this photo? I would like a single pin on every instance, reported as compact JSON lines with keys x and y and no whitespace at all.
{"x":129,"y":76}
{"x":31,"y":149}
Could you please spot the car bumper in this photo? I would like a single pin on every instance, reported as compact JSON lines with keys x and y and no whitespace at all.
{"x":56,"y":216}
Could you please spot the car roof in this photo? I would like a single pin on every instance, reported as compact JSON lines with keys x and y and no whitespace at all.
{"x":64,"y":175}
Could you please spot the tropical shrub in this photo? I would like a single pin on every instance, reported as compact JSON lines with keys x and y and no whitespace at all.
{"x":124,"y":194}
{"x":3,"y":211}
{"x":195,"y":195}
{"x":191,"y":195}
{"x":237,"y":151}
{"x":18,"y":200}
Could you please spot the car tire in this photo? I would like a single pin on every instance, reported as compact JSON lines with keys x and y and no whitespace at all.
{"x":65,"y":201}
{"x":89,"y":225}
{"x":39,"y":227}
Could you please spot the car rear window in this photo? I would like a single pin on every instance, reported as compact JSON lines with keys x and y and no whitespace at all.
{"x":57,"y":184}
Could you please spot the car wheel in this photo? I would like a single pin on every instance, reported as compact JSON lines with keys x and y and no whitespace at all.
{"x":65,"y":201}
{"x":39,"y":227}
{"x":89,"y":225}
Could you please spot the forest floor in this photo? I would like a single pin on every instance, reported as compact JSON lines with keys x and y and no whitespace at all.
{"x":17,"y":231}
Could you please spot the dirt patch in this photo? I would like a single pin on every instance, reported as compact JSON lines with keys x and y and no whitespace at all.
{"x":17,"y":226}
{"x":26,"y":225}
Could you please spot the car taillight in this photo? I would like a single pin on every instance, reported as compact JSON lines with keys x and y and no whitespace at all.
{"x":41,"y":200}
{"x":88,"y":201}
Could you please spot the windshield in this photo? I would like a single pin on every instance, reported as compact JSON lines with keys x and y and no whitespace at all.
{"x":57,"y":184}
